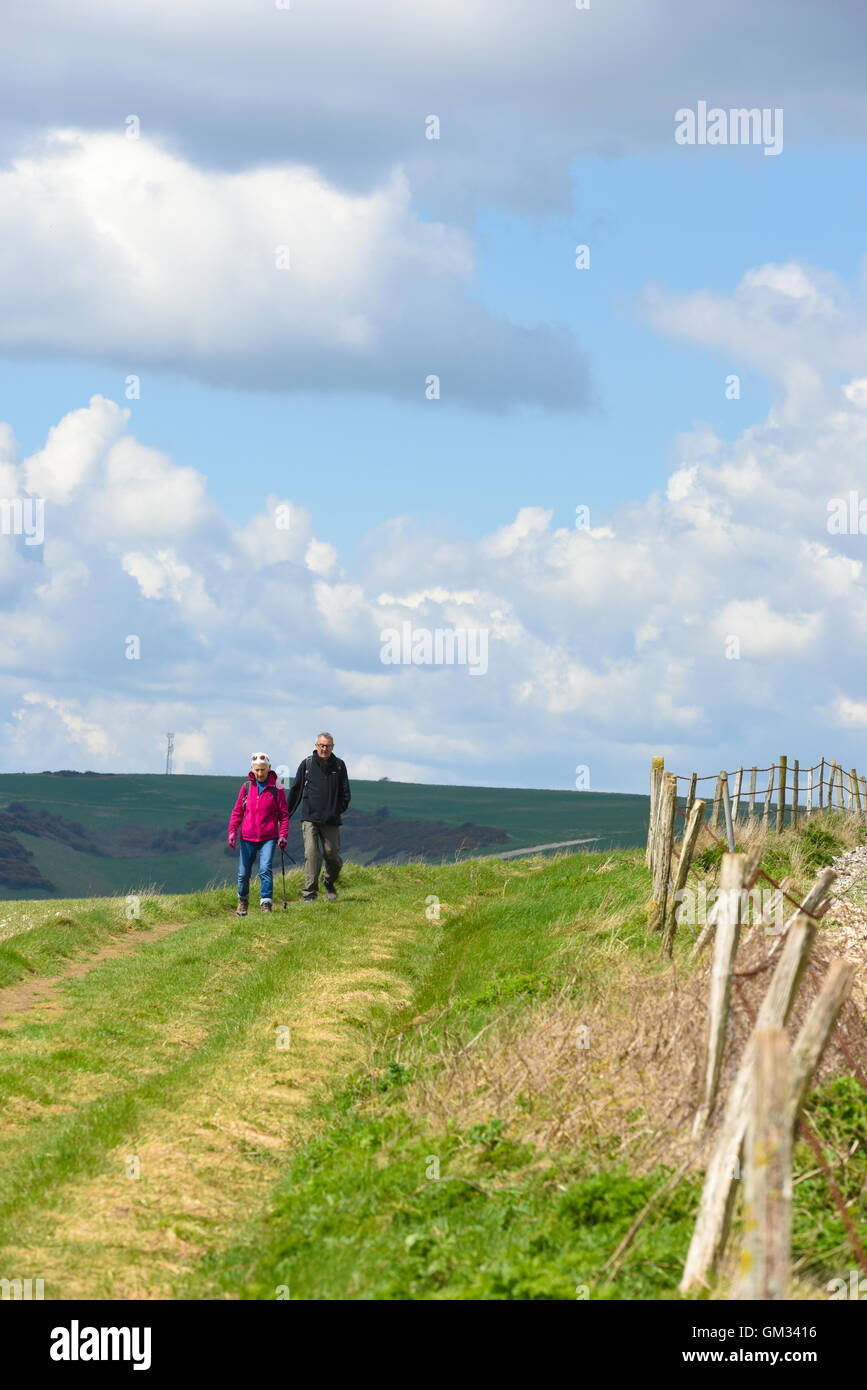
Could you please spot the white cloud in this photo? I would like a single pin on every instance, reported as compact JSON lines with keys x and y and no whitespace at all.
{"x":321,"y":558}
{"x":599,"y":646}
{"x":271,"y":278}
{"x":82,"y":734}
{"x":523,"y":88}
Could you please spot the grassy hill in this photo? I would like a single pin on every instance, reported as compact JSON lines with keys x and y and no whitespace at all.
{"x":456,"y":1082}
{"x":82,"y":835}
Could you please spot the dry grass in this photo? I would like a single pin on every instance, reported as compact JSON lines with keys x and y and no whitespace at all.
{"x":620,"y":1076}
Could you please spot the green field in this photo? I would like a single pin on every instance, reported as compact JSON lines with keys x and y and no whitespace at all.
{"x":381,"y":1098}
{"x":105,"y":805}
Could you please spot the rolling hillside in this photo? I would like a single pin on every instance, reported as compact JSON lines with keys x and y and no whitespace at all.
{"x":89,"y":835}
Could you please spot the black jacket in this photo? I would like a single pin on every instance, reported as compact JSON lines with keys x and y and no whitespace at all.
{"x":327,"y":793}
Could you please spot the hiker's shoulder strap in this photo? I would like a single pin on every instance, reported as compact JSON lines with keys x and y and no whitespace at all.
{"x":246,"y":789}
{"x":308,"y":763}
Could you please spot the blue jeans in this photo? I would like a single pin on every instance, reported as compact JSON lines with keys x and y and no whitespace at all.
{"x":265,"y":851}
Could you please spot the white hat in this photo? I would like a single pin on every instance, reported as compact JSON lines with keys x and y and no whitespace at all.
{"x":260,"y":758}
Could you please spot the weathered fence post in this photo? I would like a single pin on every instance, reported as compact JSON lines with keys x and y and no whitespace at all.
{"x":687,"y":849}
{"x":690,"y":796}
{"x":728,"y":929}
{"x":857,"y":790}
{"x":864,"y":795}
{"x":821,"y":784}
{"x":768,"y":1173}
{"x":795,"y":793}
{"x":840,"y":800}
{"x":809,"y":792}
{"x":832,"y":772}
{"x":656,"y":766}
{"x":736,"y":799}
{"x":663,"y":843}
{"x":727,"y":812}
{"x":766,"y":809}
{"x":715,"y":1207}
{"x":770,"y":910}
{"x":717,"y":802}
{"x":816,"y":1030}
{"x":781,"y":798}
{"x":752,"y":806}
{"x":754,"y":858}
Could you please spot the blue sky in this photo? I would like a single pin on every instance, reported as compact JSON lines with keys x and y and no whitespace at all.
{"x":678,"y":219}
{"x":603,"y":387}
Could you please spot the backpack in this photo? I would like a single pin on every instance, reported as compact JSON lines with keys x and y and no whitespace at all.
{"x":308,"y":763}
{"x":272,"y":790}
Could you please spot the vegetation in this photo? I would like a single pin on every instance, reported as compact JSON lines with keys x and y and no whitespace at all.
{"x":417,"y":1092}
{"x":85,"y":835}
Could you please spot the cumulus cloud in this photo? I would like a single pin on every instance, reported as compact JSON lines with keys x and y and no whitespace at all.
{"x":794,"y":323}
{"x":522,"y":88}
{"x":268,"y":278}
{"x":601,"y":646}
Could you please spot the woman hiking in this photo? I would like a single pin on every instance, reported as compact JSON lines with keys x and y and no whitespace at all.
{"x":260,"y":813}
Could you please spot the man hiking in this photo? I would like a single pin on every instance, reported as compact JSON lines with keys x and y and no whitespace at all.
{"x":321,"y":788}
{"x":260,"y":813}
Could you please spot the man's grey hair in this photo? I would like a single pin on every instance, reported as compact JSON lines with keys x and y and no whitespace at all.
{"x":324,"y":735}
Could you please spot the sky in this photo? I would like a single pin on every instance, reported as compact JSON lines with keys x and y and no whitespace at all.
{"x":281,"y":375}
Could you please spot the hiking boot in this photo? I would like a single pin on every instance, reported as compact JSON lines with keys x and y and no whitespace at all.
{"x":266,"y":906}
{"x":309,"y":899}
{"x":241,"y":909}
{"x":331,"y":894}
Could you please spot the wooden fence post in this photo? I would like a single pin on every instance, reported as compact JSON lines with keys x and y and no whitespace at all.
{"x":768,"y":915}
{"x":766,"y":809}
{"x":795,"y":793}
{"x":809,"y":792}
{"x":840,"y":799}
{"x":663,"y":843}
{"x":752,"y":806}
{"x":656,"y":766}
{"x":690,"y":796}
{"x":754,"y":858}
{"x":832,"y":770}
{"x":715,"y":1207}
{"x":781,"y":797}
{"x":736,"y":799}
{"x":687,"y":849}
{"x":717,"y":802}
{"x":822,"y":784}
{"x":816,"y":1030}
{"x":864,"y":795}
{"x":768,"y":1173}
{"x":857,"y":790}
{"x":727,"y":812}
{"x":728,"y":932}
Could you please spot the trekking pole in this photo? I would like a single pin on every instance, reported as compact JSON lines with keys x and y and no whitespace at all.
{"x":283,"y":862}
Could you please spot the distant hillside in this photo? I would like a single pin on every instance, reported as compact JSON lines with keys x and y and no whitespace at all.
{"x":67,"y":834}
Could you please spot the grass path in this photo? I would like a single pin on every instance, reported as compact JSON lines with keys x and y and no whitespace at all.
{"x":163,"y":1059}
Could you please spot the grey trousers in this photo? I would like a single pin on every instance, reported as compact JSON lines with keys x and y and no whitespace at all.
{"x":320,"y":842}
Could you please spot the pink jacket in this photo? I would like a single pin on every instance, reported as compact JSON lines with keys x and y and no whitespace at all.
{"x":265,"y":816}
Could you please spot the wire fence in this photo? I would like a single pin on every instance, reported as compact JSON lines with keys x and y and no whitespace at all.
{"x":671,"y":868}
